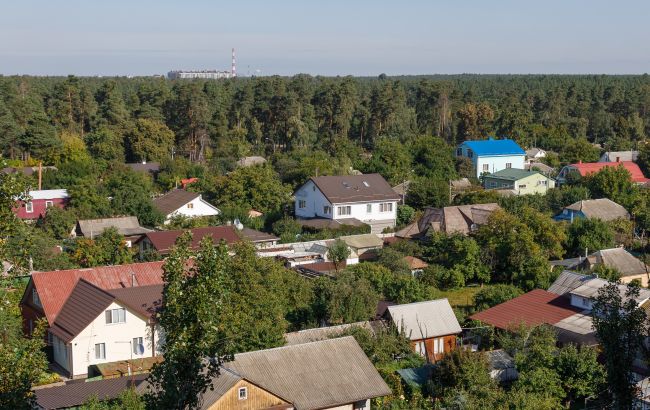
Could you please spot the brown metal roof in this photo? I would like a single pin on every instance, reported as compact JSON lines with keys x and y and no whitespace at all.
{"x":533,"y":308}
{"x":257,"y":236}
{"x":54,"y":287}
{"x":163,"y":241}
{"x":355,"y":188}
{"x":77,"y":392}
{"x":143,"y":300}
{"x":415,"y":263}
{"x":173,"y":200}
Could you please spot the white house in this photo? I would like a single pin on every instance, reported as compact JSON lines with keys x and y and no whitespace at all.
{"x":366,"y":198}
{"x":181,"y":202}
{"x":535,"y":154}
{"x":96,"y":326}
{"x":489,"y":156}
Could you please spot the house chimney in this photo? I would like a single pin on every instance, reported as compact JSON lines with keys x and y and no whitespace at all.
{"x":579,"y":161}
{"x":40,"y":175}
{"x":132,"y":279}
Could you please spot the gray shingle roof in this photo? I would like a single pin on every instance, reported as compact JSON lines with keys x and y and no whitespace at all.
{"x":604,"y":209}
{"x":125,"y":225}
{"x":621,"y":260}
{"x":324,"y":333}
{"x":423,"y":320}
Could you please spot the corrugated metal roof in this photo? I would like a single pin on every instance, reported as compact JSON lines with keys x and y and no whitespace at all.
{"x":257,"y":236}
{"x":125,"y":225}
{"x":313,"y":375}
{"x":533,"y":308}
{"x":621,"y":260}
{"x":355,"y":188}
{"x":140,"y":299}
{"x":422,"y":320}
{"x":586,"y":168}
{"x":77,"y":392}
{"x":324,"y":333}
{"x":415,"y":263}
{"x":589,"y":289}
{"x":173,"y":200}
{"x":54,"y":287}
{"x":567,"y":281}
{"x":220,"y":386}
{"x":577,"y":329}
{"x":163,"y":241}
{"x":495,"y":147}
{"x":604,"y":209}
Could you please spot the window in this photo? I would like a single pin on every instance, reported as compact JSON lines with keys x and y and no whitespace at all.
{"x":420,"y":348}
{"x":49,"y":204}
{"x":386,"y":207}
{"x":35,"y":298}
{"x":327,"y":209}
{"x":544,"y":182}
{"x":243,"y":393}
{"x":493,"y":184}
{"x":190,"y":206}
{"x":369,"y":208}
{"x":302,"y":203}
{"x":470,"y":153}
{"x":360,"y":405}
{"x":486,"y":168}
{"x":344,"y":210}
{"x":29,"y":207}
{"x":508,"y":164}
{"x":137,"y":342}
{"x":115,"y":316}
{"x":100,"y":351}
{"x":459,"y":152}
{"x":438,"y":345}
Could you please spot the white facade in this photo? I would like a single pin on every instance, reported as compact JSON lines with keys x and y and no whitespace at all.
{"x":491,"y":163}
{"x":195,"y":208}
{"x":204,"y":74}
{"x":581,"y":302}
{"x":117,"y":340}
{"x":311,"y":203}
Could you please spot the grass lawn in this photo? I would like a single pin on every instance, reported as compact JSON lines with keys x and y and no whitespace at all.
{"x":461,"y":298}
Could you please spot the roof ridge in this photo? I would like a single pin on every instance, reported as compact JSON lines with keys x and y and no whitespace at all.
{"x":38,"y":273}
{"x":91,"y":284}
{"x":420,"y":303}
{"x":292,"y":346}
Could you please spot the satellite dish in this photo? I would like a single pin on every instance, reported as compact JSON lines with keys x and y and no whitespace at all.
{"x":238,"y":224}
{"x":140,"y":348}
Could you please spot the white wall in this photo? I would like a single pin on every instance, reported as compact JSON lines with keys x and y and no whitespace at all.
{"x":199,"y":208}
{"x":118,"y":338}
{"x":498,"y":163}
{"x":314,"y":202}
{"x":360,"y":212}
{"x":580,"y":302}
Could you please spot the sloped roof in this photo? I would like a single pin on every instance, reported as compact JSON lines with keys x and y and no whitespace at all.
{"x":423,"y":320}
{"x":604,"y":209}
{"x":143,"y":300}
{"x":220,"y":385}
{"x":530,"y":153}
{"x":577,"y":329}
{"x":512,"y":174}
{"x":567,"y":281}
{"x":612,"y":156}
{"x":257,"y":236}
{"x":621,"y":260}
{"x":163,"y":241}
{"x":541,"y":166}
{"x":77,"y":392}
{"x":368,"y":240}
{"x":355,"y":188}
{"x":173,"y":200}
{"x":402,"y":188}
{"x":125,"y":225}
{"x":415,"y":263}
{"x":54,"y":287}
{"x":495,"y":147}
{"x":461,"y":218}
{"x":586,"y":168}
{"x":49,"y":194}
{"x":313,"y":375}
{"x":324,"y":333}
{"x":533,"y":308}
{"x":590,"y":289}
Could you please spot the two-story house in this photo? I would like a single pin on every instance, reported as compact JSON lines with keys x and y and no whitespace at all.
{"x":366,"y":198}
{"x":40,"y":201}
{"x":489,"y":156}
{"x":520,"y":181}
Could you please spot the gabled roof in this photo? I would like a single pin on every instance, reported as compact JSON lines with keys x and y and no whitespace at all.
{"x":423,"y":320}
{"x":450,"y":219}
{"x":512,"y":174}
{"x":567,"y":281}
{"x":495,"y":147}
{"x":54,"y":287}
{"x":315,"y":375}
{"x":324,"y":333}
{"x":621,"y":260}
{"x":615,"y":156}
{"x":367,"y":240}
{"x":173,"y":200}
{"x":586,"y":168}
{"x":49,"y":194}
{"x":530,"y":153}
{"x":163,"y":241}
{"x":542,"y":167}
{"x":143,"y":300}
{"x":355,"y":188}
{"x":256,"y":236}
{"x":533,"y":308}
{"x":604,"y":209}
{"x":125,"y":225}
{"x":415,"y":263}
{"x":590,"y":289}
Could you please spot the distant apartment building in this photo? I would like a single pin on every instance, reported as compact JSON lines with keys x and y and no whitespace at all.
{"x":202,"y":74}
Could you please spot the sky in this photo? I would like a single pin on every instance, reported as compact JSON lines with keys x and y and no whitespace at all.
{"x":332,"y":37}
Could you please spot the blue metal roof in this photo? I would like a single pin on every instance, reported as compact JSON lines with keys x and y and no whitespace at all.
{"x":495,"y":147}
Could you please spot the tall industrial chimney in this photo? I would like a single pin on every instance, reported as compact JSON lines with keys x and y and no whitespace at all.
{"x":233,"y":70}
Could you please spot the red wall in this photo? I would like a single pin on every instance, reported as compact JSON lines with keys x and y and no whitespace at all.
{"x":39,"y":208}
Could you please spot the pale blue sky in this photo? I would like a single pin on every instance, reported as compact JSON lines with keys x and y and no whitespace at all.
{"x":333,"y":37}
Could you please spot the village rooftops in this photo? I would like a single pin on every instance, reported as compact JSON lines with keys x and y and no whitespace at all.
{"x":493,"y":147}
{"x":173,"y":200}
{"x":590,"y":288}
{"x":587,"y":168}
{"x":125,"y":225}
{"x":423,"y":320}
{"x":341,"y":189}
{"x":163,"y":241}
{"x":604,"y":209}
{"x":512,"y":174}
{"x":568,"y":281}
{"x":621,"y":260}
{"x":329,"y":332}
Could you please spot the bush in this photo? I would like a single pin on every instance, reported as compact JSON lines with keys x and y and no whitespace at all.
{"x":494,"y":295}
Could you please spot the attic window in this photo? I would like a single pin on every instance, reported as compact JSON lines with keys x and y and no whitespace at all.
{"x":243,"y":393}
{"x":366,"y":184}
{"x":190,"y":205}
{"x":35,"y":298}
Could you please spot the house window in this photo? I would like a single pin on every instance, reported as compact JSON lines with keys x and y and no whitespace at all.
{"x":327,"y":209}
{"x":493,"y":184}
{"x":29,"y":207}
{"x":49,"y":204}
{"x":100,"y":351}
{"x":137,"y":342}
{"x":302,"y":203}
{"x":459,"y":152}
{"x":486,"y":167}
{"x":470,"y":153}
{"x":438,"y":345}
{"x":369,"y":208}
{"x":420,"y":348}
{"x":115,"y":316}
{"x":508,"y":164}
{"x":360,"y":405}
{"x":522,"y":186}
{"x":190,"y":206}
{"x":386,"y":207}
{"x":544,"y":182}
{"x":35,"y":298}
{"x":344,"y":210}
{"x":243,"y":393}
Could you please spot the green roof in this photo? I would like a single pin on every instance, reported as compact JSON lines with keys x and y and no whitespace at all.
{"x":512,"y":174}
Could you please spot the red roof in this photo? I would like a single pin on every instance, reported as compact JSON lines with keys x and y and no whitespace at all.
{"x":187,"y":181}
{"x":533,"y":308}
{"x":55,"y":287}
{"x":593,"y":167}
{"x":163,"y":241}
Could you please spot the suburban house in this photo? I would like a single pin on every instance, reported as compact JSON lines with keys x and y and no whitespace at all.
{"x":520,"y":181}
{"x":489,"y":156}
{"x":416,"y":265}
{"x":127,"y":226}
{"x":330,"y":374}
{"x":586,"y":168}
{"x":462,"y":219}
{"x":185,"y":203}
{"x":40,"y":201}
{"x":603,"y":209}
{"x":365,"y":198}
{"x":535,"y":154}
{"x":623,"y":261}
{"x":619,"y":156}
{"x":362,"y":247}
{"x":431,"y":326}
{"x":96,"y":326}
{"x":539,"y":167}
